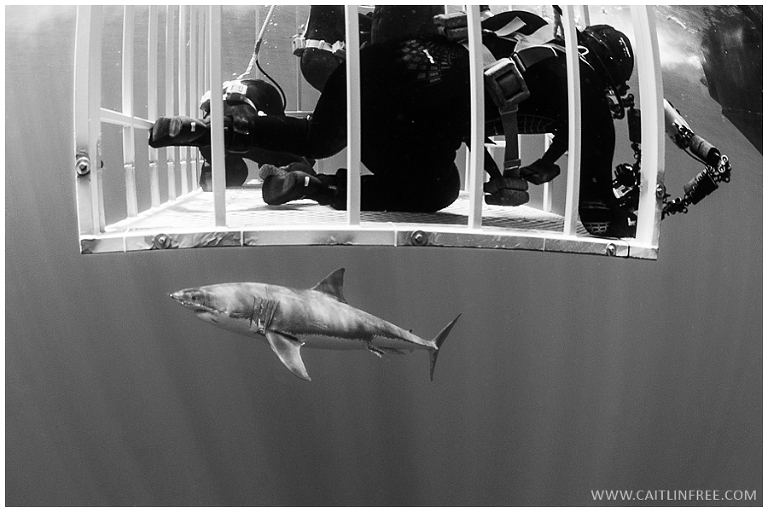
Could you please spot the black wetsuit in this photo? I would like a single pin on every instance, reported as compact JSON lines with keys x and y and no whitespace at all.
{"x":415,"y":110}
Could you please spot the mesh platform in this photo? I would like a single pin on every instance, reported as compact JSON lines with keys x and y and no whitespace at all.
{"x":246,"y":210}
{"x":189,"y":222}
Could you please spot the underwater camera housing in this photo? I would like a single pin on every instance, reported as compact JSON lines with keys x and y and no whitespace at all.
{"x":626,"y":184}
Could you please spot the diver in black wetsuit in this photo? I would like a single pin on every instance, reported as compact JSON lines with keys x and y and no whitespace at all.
{"x":415,"y":115}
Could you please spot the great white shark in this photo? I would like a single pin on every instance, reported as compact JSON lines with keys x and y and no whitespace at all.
{"x":289,"y":319}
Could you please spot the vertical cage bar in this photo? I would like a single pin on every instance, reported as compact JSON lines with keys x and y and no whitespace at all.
{"x":201,"y":58}
{"x":182,"y":106}
{"x":548,"y":189}
{"x":203,"y":64}
{"x":171,"y":152}
{"x":207,"y":77}
{"x":217,"y":118}
{"x":297,"y":62}
{"x":652,"y":134}
{"x":477,"y":118}
{"x":129,"y":132}
{"x":192,"y":84}
{"x":257,"y":27}
{"x":353,"y":115}
{"x":97,"y":167}
{"x":467,"y":153}
{"x":152,"y":110}
{"x":87,"y":114}
{"x":584,"y":16}
{"x":574,"y":123}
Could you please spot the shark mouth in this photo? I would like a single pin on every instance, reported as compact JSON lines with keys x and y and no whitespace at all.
{"x":193,"y":305}
{"x":198,"y":308}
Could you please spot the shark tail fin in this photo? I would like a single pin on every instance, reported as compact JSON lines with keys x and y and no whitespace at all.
{"x":439,"y":339}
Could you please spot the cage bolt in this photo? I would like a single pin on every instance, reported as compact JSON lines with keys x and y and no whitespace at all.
{"x":83,"y":166}
{"x":419,"y":238}
{"x":161,"y":241}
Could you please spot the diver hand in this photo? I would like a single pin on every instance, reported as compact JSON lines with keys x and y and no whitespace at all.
{"x":179,"y":131}
{"x":539,"y":172}
{"x":238,"y":126}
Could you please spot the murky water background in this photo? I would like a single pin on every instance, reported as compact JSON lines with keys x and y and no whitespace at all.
{"x":565,"y":373}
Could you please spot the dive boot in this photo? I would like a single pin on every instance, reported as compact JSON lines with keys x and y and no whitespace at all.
{"x":506,"y":191}
{"x":282,"y":185}
{"x":540,"y":172}
{"x":178,"y":131}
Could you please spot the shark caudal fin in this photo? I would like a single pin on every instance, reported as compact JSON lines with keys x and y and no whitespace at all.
{"x":439,"y":339}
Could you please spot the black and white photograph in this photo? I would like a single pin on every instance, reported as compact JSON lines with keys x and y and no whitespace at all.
{"x":383,"y":255}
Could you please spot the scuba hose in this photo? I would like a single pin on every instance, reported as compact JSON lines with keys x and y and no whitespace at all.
{"x":255,"y":57}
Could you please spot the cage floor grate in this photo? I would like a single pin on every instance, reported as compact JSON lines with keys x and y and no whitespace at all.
{"x":246,"y":210}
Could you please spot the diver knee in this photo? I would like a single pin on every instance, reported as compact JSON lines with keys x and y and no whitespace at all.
{"x":236,"y":172}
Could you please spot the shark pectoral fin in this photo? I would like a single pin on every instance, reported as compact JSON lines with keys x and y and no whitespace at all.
{"x":287,"y":349}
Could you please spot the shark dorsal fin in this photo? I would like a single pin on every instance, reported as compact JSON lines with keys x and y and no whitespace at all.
{"x":333,"y":285}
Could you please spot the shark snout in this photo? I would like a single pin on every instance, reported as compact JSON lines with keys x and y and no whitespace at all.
{"x":183,"y":297}
{"x":192,"y":298}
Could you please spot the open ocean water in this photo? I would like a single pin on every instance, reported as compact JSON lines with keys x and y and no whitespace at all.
{"x":565,"y":375}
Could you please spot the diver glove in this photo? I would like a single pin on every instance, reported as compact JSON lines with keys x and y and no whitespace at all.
{"x":179,"y":131}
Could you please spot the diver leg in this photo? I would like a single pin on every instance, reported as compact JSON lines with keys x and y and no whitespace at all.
{"x":423,"y":187}
{"x":236,"y":170}
{"x":297,"y":181}
{"x":322,"y":44}
{"x":311,"y":138}
{"x":378,"y":193}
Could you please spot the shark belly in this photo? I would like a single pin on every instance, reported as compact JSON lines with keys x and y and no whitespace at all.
{"x":331,"y":342}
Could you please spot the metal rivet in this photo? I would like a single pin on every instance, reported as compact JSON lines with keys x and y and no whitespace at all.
{"x":419,"y":238}
{"x":610,"y":250}
{"x":161,"y":241}
{"x":83,"y":166}
{"x":660,"y":191}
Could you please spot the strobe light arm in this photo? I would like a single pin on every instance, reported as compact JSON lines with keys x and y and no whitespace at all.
{"x":717,"y":170}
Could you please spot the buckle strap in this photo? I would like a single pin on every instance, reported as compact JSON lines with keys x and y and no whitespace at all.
{"x":235,"y":92}
{"x":505,"y":85}
{"x":299,"y":43}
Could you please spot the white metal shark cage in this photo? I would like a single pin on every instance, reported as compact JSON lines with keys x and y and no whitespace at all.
{"x":170,"y":212}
